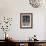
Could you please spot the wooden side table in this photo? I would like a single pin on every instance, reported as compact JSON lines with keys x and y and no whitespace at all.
{"x":22,"y":44}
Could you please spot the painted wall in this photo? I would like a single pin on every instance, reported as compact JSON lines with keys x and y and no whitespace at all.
{"x":13,"y":8}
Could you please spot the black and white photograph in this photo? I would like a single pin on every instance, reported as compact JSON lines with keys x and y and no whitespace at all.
{"x":26,"y":20}
{"x":22,"y":22}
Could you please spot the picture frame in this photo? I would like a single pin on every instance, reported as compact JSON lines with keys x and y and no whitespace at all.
{"x":26,"y":20}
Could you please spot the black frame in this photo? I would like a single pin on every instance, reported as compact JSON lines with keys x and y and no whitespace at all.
{"x":23,"y":14}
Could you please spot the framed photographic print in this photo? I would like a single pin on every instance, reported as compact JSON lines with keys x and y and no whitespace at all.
{"x":26,"y":20}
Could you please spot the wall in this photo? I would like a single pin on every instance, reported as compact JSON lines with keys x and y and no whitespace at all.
{"x":13,"y":8}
